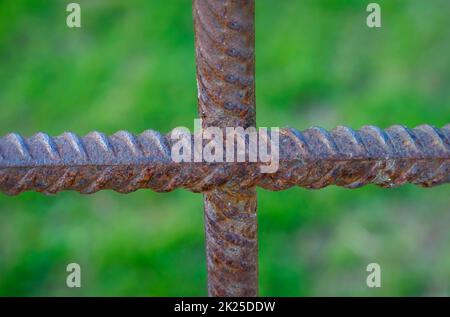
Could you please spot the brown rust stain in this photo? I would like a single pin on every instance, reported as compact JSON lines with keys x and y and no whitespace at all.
{"x":225,"y":43}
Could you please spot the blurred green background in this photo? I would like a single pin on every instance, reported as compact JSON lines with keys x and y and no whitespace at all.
{"x":131,"y":66}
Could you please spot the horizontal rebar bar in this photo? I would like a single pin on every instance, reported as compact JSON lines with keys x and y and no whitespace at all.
{"x":313,"y":158}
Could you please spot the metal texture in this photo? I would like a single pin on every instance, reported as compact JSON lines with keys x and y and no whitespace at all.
{"x":225,"y":43}
{"x":313,"y":158}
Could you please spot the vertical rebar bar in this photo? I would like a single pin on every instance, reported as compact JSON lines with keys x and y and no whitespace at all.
{"x":224,"y":42}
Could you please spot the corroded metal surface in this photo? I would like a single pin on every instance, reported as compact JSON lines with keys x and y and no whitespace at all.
{"x":231,"y":241}
{"x":313,"y":158}
{"x":224,"y":45}
{"x":316,"y":158}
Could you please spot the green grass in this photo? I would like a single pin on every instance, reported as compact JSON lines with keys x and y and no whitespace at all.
{"x":131,"y":66}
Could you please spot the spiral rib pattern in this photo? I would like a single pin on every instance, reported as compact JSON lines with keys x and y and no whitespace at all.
{"x":313,"y":158}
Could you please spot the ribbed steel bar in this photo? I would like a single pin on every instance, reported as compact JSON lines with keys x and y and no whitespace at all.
{"x":225,"y":43}
{"x":313,"y":158}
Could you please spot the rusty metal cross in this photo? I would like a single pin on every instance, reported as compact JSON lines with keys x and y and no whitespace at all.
{"x":314,"y":158}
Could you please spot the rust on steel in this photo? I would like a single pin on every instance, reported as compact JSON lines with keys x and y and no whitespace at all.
{"x":224,"y":50}
{"x":313,"y":158}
